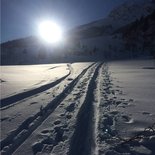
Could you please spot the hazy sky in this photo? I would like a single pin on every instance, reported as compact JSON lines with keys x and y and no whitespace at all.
{"x":20,"y":18}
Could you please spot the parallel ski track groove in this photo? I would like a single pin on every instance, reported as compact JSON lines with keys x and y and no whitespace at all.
{"x":20,"y":96}
{"x":83,"y":137}
{"x":38,"y":118}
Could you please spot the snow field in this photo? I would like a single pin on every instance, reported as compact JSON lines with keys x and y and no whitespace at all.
{"x":102,"y":109}
{"x":60,"y":125}
{"x":60,"y":93}
{"x":17,"y":79}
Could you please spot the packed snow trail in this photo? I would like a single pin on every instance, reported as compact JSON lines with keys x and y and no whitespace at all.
{"x":83,"y":139}
{"x":59,"y":127}
{"x":18,"y":136}
{"x":83,"y":132}
{"x":14,"y":115}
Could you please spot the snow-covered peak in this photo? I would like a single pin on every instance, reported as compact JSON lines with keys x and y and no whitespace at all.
{"x":128,"y":12}
{"x":120,"y":16}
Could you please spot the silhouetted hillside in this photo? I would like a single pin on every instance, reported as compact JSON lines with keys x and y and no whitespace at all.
{"x":139,"y":36}
{"x":127,"y":32}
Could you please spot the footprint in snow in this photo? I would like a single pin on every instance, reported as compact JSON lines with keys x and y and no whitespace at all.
{"x":146,"y":113}
{"x":37,"y":147}
{"x":115,"y":112}
{"x":46,"y":132}
{"x":125,"y":103}
{"x":4,"y":118}
{"x":62,"y":115}
{"x":59,"y":131}
{"x":33,"y":103}
{"x":1,"y":81}
{"x":131,"y":100}
{"x":127,"y":119}
{"x":148,"y":68}
{"x":69,"y":79}
{"x":69,"y":116}
{"x":118,"y":102}
{"x":57,"y":122}
{"x":71,"y":107}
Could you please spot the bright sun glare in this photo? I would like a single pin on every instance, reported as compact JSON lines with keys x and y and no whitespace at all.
{"x":50,"y":31}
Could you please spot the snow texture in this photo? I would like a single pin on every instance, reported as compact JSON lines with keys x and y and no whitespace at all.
{"x":94,"y":109}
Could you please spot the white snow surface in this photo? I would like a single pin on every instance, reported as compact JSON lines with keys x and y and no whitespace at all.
{"x":97,"y":108}
{"x":123,"y":14}
{"x":136,"y":79}
{"x":24,"y":77}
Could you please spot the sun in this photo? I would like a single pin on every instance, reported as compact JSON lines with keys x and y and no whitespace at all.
{"x":50,"y":32}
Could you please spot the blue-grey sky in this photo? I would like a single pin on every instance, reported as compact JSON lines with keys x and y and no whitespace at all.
{"x":19,"y":18}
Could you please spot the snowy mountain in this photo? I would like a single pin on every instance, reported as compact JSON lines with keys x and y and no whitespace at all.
{"x":95,"y":38}
{"x":120,"y":16}
{"x":101,"y":34}
{"x":129,"y":12}
{"x":136,"y":39}
{"x":139,"y":36}
{"x":28,"y":50}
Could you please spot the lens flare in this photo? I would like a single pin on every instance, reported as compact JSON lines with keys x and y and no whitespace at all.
{"x":50,"y":32}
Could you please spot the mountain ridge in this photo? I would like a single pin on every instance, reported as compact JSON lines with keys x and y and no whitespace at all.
{"x":81,"y":39}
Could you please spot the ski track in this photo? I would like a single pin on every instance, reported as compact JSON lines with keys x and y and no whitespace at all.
{"x":59,"y":126}
{"x":97,"y":96}
{"x":95,"y":127}
{"x":82,"y":141}
{"x":17,"y":97}
{"x":29,"y":107}
{"x":56,"y":131}
{"x":18,"y":136}
{"x":81,"y":120}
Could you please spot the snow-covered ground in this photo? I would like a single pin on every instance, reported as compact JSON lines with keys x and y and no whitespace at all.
{"x":79,"y":108}
{"x":15,"y":79}
{"x":135,"y":81}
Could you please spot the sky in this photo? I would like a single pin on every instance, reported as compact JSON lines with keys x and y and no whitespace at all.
{"x":20,"y":18}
